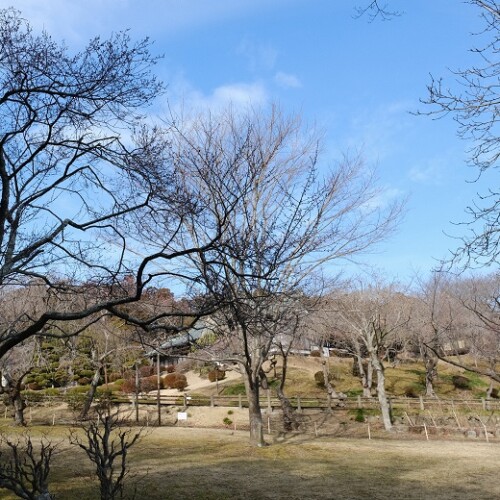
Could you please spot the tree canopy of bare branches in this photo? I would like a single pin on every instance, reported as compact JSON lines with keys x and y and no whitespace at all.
{"x":368,"y":318}
{"x":80,"y":175}
{"x":287,"y":220}
{"x":471,"y":98}
{"x":65,"y":172}
{"x":375,"y":10}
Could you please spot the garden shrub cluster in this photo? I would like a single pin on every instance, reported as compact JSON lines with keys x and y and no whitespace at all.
{"x":319,"y":377}
{"x":147,"y":383}
{"x":214,"y":375}
{"x":175,"y":380}
{"x":410,"y":391}
{"x":460,"y":382}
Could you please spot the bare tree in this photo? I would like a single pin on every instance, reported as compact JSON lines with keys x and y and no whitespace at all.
{"x":61,"y":152}
{"x":478,"y":297}
{"x":15,"y":305}
{"x":286,"y":221}
{"x":372,"y":315}
{"x":473,"y":101}
{"x":323,"y":331}
{"x":471,"y":98}
{"x":106,"y":444}
{"x":24,"y":469}
{"x":80,"y":173}
{"x":375,"y":9}
{"x":285,"y":343}
{"x":433,"y":320}
{"x":14,"y":367}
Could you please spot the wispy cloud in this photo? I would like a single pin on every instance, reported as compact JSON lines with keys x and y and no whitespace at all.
{"x":287,"y":80}
{"x":433,"y":171}
{"x":79,"y":20}
{"x":380,"y":130}
{"x":384,"y":198}
{"x":259,"y":56}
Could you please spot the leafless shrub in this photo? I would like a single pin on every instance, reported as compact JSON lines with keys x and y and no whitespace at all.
{"x":106,"y":442}
{"x":24,"y":468}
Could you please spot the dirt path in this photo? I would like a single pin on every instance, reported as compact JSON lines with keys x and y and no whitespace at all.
{"x":195,"y":383}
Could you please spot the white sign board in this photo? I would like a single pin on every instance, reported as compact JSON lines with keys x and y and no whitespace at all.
{"x":182,"y":415}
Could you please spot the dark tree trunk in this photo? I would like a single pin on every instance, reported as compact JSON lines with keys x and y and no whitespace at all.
{"x":430,"y":362}
{"x":254,"y":413}
{"x":289,"y":419}
{"x":12,"y":390}
{"x":385,"y":406}
{"x":90,"y":394}
{"x":19,"y":405}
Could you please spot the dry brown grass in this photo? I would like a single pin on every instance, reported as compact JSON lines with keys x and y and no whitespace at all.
{"x":300,"y":380}
{"x":186,"y":463}
{"x":200,"y":463}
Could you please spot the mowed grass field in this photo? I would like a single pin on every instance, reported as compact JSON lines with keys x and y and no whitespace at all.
{"x":187,"y":463}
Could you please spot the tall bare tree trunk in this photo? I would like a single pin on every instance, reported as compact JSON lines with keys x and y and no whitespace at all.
{"x":385,"y":407}
{"x":254,"y":413}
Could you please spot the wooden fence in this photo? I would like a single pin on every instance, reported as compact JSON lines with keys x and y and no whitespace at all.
{"x":305,"y":402}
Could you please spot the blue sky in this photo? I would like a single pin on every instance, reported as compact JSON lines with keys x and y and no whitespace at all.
{"x":356,"y":81}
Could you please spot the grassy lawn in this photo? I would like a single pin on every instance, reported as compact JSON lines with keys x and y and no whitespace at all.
{"x":184,"y":463}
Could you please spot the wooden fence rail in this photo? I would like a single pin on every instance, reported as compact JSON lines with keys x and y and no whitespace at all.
{"x":312,"y":402}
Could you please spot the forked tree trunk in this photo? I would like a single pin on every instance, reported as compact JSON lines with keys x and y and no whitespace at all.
{"x":12,"y":390}
{"x":19,"y":406}
{"x":430,"y":362}
{"x":330,"y":391}
{"x":289,"y":420}
{"x":385,"y":406}
{"x":366,"y":374}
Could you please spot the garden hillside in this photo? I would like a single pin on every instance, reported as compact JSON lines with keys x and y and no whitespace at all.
{"x":305,"y":378}
{"x":214,"y":398}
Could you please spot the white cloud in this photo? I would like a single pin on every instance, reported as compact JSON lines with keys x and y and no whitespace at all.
{"x":240,"y":95}
{"x":287,"y":80}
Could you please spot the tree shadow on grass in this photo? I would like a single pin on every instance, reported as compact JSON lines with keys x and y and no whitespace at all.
{"x":293,"y":472}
